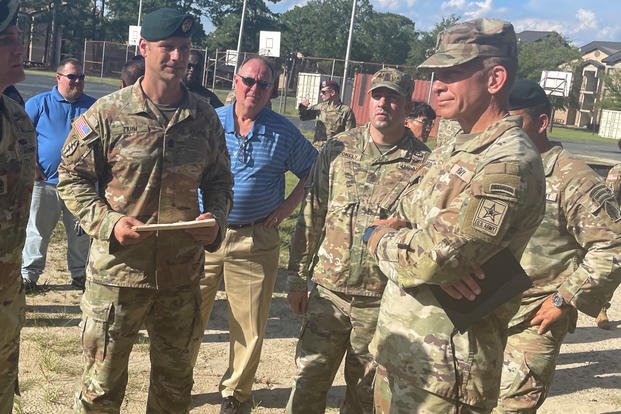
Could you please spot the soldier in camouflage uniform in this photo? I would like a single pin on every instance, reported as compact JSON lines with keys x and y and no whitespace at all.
{"x":481,"y":193}
{"x":357,"y":179}
{"x":18,"y":158}
{"x":332,"y":115}
{"x":138,"y":156}
{"x":613,"y":181}
{"x":573,"y":259}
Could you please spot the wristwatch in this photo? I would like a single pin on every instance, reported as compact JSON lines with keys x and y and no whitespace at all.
{"x":557,"y":300}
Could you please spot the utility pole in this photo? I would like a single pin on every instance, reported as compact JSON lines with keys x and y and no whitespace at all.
{"x":241,"y":32}
{"x":351,"y":30}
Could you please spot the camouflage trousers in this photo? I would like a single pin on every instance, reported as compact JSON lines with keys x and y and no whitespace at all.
{"x":392,"y":395}
{"x":529,"y":365}
{"x":335,"y":324}
{"x":12,"y":307}
{"x":111,"y":319}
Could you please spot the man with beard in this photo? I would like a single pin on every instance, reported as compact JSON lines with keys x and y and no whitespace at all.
{"x":17,"y":161}
{"x":51,"y":113}
{"x":194,"y":79}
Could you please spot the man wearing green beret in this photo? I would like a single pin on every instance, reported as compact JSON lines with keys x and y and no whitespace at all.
{"x":573,"y":259}
{"x":18,"y":157}
{"x":482,"y":193}
{"x":137,"y":157}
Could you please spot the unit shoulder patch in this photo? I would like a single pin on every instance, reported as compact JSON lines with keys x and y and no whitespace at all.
{"x":489,"y":216}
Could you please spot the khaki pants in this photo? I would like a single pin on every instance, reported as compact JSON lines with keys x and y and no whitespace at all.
{"x":111,"y":319}
{"x":335,"y":324}
{"x":392,"y":395}
{"x":12,"y":308}
{"x":248,"y":262}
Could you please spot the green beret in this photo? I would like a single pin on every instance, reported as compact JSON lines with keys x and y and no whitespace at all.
{"x":8,"y":13}
{"x":164,"y":23}
{"x":526,"y":94}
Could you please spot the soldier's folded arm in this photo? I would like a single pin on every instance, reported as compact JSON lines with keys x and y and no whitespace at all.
{"x":462,"y":236}
{"x":594,"y":221}
{"x":308,"y":112}
{"x":79,"y":173}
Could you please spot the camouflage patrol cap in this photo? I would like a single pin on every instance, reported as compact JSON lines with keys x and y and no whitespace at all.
{"x":527,"y":94}
{"x":466,"y":41}
{"x":8,"y":13}
{"x":164,"y":23}
{"x":394,"y":79}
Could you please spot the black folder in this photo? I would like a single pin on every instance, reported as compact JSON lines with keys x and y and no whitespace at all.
{"x":504,"y":279}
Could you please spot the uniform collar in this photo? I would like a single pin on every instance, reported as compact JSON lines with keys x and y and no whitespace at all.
{"x":475,"y":142}
{"x":549,"y":159}
{"x":189,"y":102}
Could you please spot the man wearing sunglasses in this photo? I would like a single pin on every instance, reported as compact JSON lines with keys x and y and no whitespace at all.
{"x":420,"y":120}
{"x":17,"y":161}
{"x":263,"y":146}
{"x":332,"y":115}
{"x":51,"y":113}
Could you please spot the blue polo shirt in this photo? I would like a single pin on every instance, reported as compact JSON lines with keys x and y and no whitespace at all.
{"x":52,"y":115}
{"x":260,"y":160}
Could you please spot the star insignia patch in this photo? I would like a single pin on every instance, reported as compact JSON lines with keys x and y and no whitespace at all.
{"x":489,"y":216}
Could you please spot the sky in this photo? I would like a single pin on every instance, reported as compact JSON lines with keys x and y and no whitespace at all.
{"x":580,"y":21}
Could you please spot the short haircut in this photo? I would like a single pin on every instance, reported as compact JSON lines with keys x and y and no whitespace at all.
{"x":262,"y":59}
{"x":132,"y":70}
{"x":539,"y":109}
{"x":421,"y":109}
{"x":67,"y":61}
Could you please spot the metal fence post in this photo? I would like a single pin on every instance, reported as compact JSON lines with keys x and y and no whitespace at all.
{"x":103,"y":59}
{"x":84,"y":55}
{"x":215,"y":71}
{"x":205,"y":68}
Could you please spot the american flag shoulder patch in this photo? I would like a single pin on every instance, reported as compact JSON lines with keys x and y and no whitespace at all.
{"x":81,"y":127}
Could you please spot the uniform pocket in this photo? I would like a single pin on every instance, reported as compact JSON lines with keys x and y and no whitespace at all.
{"x":95,"y":333}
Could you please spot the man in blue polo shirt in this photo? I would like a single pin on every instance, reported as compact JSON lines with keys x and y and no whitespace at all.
{"x":263,"y":146}
{"x":51,"y":113}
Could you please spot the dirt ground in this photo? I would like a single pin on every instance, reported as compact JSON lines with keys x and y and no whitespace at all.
{"x":588,"y":377}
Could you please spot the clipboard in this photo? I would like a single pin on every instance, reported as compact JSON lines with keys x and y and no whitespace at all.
{"x":180,"y":225}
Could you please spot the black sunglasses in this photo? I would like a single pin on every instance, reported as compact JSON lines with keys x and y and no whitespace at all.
{"x":72,"y":77}
{"x":249,"y":82}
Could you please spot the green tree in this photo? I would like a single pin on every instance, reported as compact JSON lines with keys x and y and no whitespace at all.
{"x":384,"y":37}
{"x":545,"y":54}
{"x":612,"y":90}
{"x":424,"y":43}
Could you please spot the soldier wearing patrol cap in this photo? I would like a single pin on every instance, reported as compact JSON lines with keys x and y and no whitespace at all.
{"x":482,"y":192}
{"x":17,"y":163}
{"x":572,"y":259}
{"x":332,"y":115}
{"x":136,"y":157}
{"x":357,"y":178}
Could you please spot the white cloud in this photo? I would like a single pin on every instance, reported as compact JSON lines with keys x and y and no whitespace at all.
{"x":586,"y":20}
{"x":456,"y":4}
{"x":482,"y":8}
{"x":538,"y":24}
{"x":393,"y":4}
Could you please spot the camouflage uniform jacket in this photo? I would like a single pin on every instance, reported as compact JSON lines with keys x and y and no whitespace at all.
{"x":331,"y":119}
{"x":577,"y":248}
{"x":481,"y":193}
{"x":613,"y":181}
{"x":351,"y":185}
{"x":123,"y":158}
{"x":18,"y":157}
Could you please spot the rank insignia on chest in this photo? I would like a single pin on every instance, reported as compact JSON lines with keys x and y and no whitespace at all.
{"x":3,"y":184}
{"x":82,"y":128}
{"x":489,"y":216}
{"x":463,"y":173}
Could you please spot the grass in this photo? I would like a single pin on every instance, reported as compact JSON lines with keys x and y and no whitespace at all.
{"x":561,"y":133}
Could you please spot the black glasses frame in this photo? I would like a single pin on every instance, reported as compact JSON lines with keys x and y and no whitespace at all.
{"x":72,"y":76}
{"x":249,"y":82}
